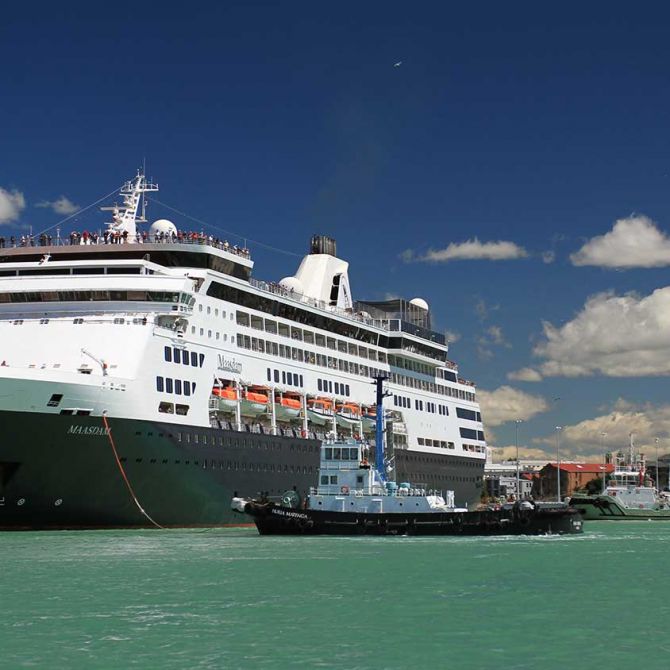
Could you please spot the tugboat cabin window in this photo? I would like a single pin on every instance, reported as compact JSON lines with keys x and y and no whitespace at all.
{"x":333,"y":479}
{"x":329,"y":453}
{"x":324,"y":480}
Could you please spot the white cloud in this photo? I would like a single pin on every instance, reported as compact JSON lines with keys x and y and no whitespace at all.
{"x":492,"y":337}
{"x":548,"y":257}
{"x":611,"y":431}
{"x":507,"y":404}
{"x":62,"y":205}
{"x":469,"y":250}
{"x":616,"y":336}
{"x":634,"y":242}
{"x":452,"y":336}
{"x":525,"y":375}
{"x":508,"y":453}
{"x":11,"y":205}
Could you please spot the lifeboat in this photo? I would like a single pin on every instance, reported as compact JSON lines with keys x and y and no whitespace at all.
{"x":287,"y":407}
{"x":225,"y":398}
{"x":348,"y":415}
{"x":254,"y":402}
{"x":320,"y":411}
{"x":369,"y":419}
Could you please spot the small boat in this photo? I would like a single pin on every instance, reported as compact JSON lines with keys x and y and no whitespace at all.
{"x":352,"y":498}
{"x":226,"y":397}
{"x":629,"y":495}
{"x":287,"y":406}
{"x":348,"y":415}
{"x":254,"y":401}
{"x":320,"y":411}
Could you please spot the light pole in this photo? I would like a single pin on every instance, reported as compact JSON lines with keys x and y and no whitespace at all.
{"x":602,"y":448}
{"x":658,"y":488}
{"x":518,"y":480}
{"x":558,"y":462}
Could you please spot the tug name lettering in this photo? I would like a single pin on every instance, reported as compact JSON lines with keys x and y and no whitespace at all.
{"x":294,"y":515}
{"x":100,"y":431}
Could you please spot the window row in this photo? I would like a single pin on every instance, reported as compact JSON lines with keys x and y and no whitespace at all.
{"x":170,"y":408}
{"x":474,"y":447}
{"x":303,"y":356}
{"x":471,"y":434}
{"x":443,"y":410}
{"x":210,"y":334}
{"x":428,"y":442}
{"x":341,"y":454}
{"x":287,"y":378}
{"x":175,"y":355}
{"x":327,"y":386}
{"x":401,"y":401}
{"x":463,"y":413}
{"x":176,"y":386}
{"x":431,"y":387}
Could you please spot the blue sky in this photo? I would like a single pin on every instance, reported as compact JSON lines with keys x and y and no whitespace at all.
{"x":521,"y":123}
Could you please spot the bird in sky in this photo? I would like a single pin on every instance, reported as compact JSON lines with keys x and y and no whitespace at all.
{"x":398,"y":64}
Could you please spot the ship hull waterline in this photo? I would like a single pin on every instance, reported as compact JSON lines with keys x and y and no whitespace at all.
{"x":60,"y":472}
{"x":272,"y":519}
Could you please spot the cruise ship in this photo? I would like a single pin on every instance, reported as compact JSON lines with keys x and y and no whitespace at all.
{"x":146,"y":378}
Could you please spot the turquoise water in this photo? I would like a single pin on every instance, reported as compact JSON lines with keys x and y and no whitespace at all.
{"x":232,"y":599}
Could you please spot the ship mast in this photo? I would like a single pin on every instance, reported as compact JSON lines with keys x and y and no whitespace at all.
{"x":133,"y":208}
{"x":379,"y":437}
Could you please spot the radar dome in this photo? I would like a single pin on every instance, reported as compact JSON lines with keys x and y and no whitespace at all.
{"x":419,"y":302}
{"x":162,"y":226}
{"x":292,"y":284}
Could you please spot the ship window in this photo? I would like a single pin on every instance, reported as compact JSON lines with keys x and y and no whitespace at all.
{"x":194,"y":359}
{"x":289,"y":378}
{"x":319,"y":384}
{"x":168,"y":385}
{"x":182,"y":410}
{"x":177,"y":386}
{"x":166,"y":408}
{"x":159,"y":384}
{"x":269,"y":374}
{"x":337,"y":453}
{"x":55,"y":399}
{"x":201,"y":359}
{"x":168,"y":354}
{"x":337,"y":388}
{"x":184,"y":357}
{"x":270,"y":326}
{"x":67,"y":411}
{"x":324,"y":480}
{"x":329,"y":453}
{"x":348,"y":393}
{"x":187,"y":388}
{"x":177,"y":356}
{"x":276,"y":376}
{"x":333,"y":479}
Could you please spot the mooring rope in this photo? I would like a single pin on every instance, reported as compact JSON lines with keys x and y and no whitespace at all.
{"x":123,"y":474}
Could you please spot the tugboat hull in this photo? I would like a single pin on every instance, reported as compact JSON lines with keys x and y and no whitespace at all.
{"x":272,"y":519}
{"x":608,"y":508}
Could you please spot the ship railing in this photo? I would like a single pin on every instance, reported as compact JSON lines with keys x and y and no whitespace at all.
{"x":277,"y":289}
{"x":97,"y":239}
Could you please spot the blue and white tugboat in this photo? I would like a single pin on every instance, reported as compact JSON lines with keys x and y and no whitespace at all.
{"x":354,"y":497}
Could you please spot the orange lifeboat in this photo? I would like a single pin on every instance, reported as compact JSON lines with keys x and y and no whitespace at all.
{"x":227,"y":393}
{"x":320,"y":404}
{"x":293,"y":403}
{"x":251,"y":396}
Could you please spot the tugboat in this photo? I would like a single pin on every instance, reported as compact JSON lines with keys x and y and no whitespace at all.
{"x":354,"y":497}
{"x":629,"y":495}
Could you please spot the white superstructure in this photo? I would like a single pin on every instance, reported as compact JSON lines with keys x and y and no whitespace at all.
{"x":171,"y":327}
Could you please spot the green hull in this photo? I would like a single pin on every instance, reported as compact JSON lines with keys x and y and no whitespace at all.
{"x":607,"y":508}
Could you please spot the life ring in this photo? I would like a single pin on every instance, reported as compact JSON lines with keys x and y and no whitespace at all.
{"x":344,"y":489}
